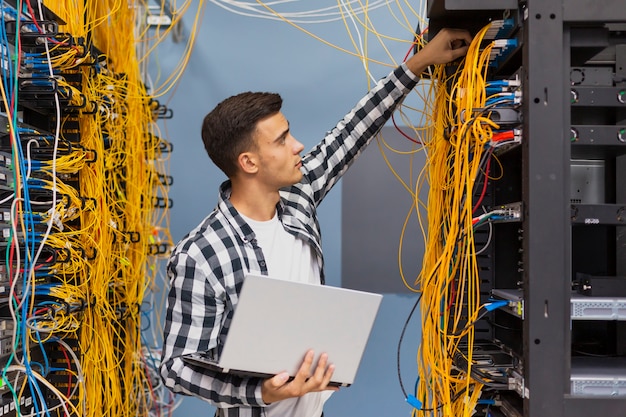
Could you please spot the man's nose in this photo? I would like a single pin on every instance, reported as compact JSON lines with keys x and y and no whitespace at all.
{"x":297,"y":146}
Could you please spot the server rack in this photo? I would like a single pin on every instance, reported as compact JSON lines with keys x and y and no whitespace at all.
{"x":76,"y":123}
{"x":570,"y":125}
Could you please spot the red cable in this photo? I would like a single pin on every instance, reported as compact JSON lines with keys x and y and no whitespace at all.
{"x":32,"y":15}
{"x":452,"y":294}
{"x":484,"y":190}
{"x":413,"y":44}
{"x":69,"y":373}
{"x":393,"y":119}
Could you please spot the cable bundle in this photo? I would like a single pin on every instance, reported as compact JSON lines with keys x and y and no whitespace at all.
{"x":457,"y":155}
{"x":84,"y":202}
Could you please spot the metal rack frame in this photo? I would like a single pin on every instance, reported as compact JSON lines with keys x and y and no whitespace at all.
{"x":547,"y":256}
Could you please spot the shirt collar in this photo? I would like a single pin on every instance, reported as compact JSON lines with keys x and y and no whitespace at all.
{"x":231,"y":214}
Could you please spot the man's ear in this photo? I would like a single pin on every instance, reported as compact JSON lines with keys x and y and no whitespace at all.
{"x":248,"y":162}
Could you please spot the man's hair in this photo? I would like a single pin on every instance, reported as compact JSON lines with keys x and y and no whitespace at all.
{"x":228,"y":129}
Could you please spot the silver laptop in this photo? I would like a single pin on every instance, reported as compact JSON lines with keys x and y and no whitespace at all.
{"x":276,"y":322}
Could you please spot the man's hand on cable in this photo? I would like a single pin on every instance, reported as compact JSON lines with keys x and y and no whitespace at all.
{"x":307,"y":379}
{"x":446,"y":46}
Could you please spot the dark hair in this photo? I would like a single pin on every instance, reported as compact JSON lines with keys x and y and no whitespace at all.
{"x":227,"y":130}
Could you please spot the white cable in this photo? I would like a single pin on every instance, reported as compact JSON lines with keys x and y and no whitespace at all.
{"x":361,"y":48}
{"x":490,"y":233}
{"x":28,"y":159}
{"x":8,"y":198}
{"x":322,"y":15}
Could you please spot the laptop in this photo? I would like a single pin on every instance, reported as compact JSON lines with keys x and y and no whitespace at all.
{"x":276,"y":322}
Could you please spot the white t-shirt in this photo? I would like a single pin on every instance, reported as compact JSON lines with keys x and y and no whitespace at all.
{"x":286,"y":256}
{"x":291,"y":259}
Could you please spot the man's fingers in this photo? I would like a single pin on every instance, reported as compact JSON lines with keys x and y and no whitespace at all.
{"x":320,"y":370}
{"x":322,"y":375}
{"x":327,"y":377}
{"x":305,"y":370}
{"x":279,"y":380}
{"x":306,"y":380}
{"x":329,"y":373}
{"x":457,"y":35}
{"x":459,"y":52}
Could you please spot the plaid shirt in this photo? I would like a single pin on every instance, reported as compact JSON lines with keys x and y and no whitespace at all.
{"x":207,"y":267}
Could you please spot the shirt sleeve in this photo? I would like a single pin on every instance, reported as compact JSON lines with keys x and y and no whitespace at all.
{"x":329,"y":160}
{"x":193,"y":324}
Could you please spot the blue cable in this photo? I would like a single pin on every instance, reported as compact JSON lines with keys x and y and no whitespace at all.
{"x":6,"y":56}
{"x":496,"y":304}
{"x":29,"y":243}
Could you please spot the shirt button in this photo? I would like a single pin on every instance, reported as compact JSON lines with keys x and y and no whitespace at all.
{"x":262,"y":263}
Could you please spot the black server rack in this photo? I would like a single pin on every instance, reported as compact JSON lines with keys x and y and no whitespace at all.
{"x":562,"y":268}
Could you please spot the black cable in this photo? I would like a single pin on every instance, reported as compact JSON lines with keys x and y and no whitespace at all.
{"x":406,"y":323}
{"x":406,"y":396}
{"x":473,"y":374}
{"x":470,"y":324}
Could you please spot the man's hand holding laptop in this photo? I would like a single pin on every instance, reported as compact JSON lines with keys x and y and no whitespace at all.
{"x":307,"y":379}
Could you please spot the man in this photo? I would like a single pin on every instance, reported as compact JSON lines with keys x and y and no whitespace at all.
{"x":265,"y":222}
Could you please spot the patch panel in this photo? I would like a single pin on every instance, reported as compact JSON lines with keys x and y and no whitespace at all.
{"x":8,"y":406}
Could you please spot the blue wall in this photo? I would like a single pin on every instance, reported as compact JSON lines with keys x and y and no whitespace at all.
{"x":319,"y":85}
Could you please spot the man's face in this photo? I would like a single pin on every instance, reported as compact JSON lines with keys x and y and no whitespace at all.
{"x":278,"y":152}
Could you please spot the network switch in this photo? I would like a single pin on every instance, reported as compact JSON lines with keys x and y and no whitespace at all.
{"x":598,"y":376}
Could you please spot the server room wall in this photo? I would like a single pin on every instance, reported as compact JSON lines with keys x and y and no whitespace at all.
{"x":318,"y":84}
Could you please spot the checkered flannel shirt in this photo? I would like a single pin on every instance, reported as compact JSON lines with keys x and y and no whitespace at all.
{"x":207,"y":267}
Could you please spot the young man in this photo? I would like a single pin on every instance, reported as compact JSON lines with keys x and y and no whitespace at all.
{"x":265,"y":222}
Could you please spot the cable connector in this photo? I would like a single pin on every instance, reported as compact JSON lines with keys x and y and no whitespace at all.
{"x":496,"y":304}
{"x":503,"y":86}
{"x":505,"y":43}
{"x":500,"y":28}
{"x":415,"y":403}
{"x":516,"y":82}
{"x":500,"y":51}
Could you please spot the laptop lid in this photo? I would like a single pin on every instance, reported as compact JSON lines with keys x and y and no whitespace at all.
{"x":276,"y":322}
